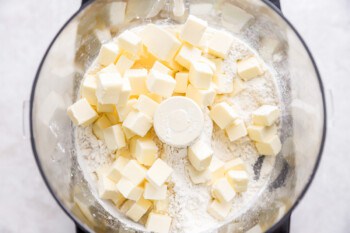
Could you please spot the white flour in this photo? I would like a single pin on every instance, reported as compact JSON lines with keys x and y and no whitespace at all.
{"x":188,"y":202}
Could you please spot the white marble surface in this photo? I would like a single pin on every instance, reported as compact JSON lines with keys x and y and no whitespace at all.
{"x":28,"y":26}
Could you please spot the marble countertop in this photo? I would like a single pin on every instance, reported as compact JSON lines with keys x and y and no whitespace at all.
{"x":26,"y":29}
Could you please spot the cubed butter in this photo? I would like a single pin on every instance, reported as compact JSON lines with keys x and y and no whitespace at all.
{"x":108,"y":54}
{"x":114,"y":137}
{"x":223,"y":114}
{"x":261,"y":133}
{"x":138,"y":209}
{"x":203,"y":98}
{"x":109,"y":86}
{"x":220,"y":44}
{"x":199,"y":177}
{"x":130,"y":42}
{"x":115,"y":172}
{"x":88,"y":89}
{"x":161,"y":206}
{"x":193,"y":30}
{"x":219,"y":210}
{"x":129,"y":190}
{"x":81,"y":113}
{"x":137,"y":78}
{"x":124,"y":93}
{"x":266,"y":115}
{"x":107,"y":188}
{"x":155,"y":97}
{"x":108,"y":69}
{"x":158,"y":223}
{"x":238,"y":86}
{"x":235,"y":164}
{"x":124,"y":111}
{"x":162,"y":68}
{"x":187,"y":55}
{"x":181,"y":79}
{"x":145,"y":151}
{"x":216,"y":169}
{"x":146,"y":105}
{"x":270,"y":147}
{"x":138,"y":123}
{"x":236,"y":130}
{"x":222,"y":191}
{"x":124,"y":63}
{"x":200,"y":75}
{"x":209,"y":62}
{"x":159,"y":173}
{"x":200,"y":155}
{"x":126,"y":206}
{"x":100,"y":125}
{"x":159,"y":42}
{"x":234,"y":17}
{"x":238,"y":179}
{"x":118,"y":200}
{"x":160,"y":83}
{"x":154,"y":193}
{"x":105,"y":108}
{"x":249,"y":68}
{"x":134,"y":172}
{"x":113,"y":117}
{"x":128,"y":133}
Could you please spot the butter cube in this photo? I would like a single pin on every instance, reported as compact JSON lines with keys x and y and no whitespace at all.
{"x":107,"y":188}
{"x":266,"y":115}
{"x":209,"y":62}
{"x":159,"y":173}
{"x":114,"y":137}
{"x":234,"y":17}
{"x":138,"y":123}
{"x":216,"y":169}
{"x":181,"y":79}
{"x":236,"y":130}
{"x":134,"y":172}
{"x":219,"y":210}
{"x":109,"y":86}
{"x":160,"y":42}
{"x":200,"y":75}
{"x":223,"y":191}
{"x":125,"y":110}
{"x":105,"y":108}
{"x":158,"y":223}
{"x":154,"y":193}
{"x":223,"y":84}
{"x":199,"y":177}
{"x":128,"y":133}
{"x":249,"y":68}
{"x":81,"y":113}
{"x":124,"y":63}
{"x":193,"y":30}
{"x":100,"y":125}
{"x":146,"y":105}
{"x":238,"y":86}
{"x":111,"y":68}
{"x":160,"y":83}
{"x":203,"y":98}
{"x":161,"y":68}
{"x":126,"y":206}
{"x":200,"y":155}
{"x":108,"y":54}
{"x":220,"y":44}
{"x":138,"y":209}
{"x":113,"y":117}
{"x":130,"y":42}
{"x":115,"y":172}
{"x":155,"y":97}
{"x":261,"y":133}
{"x":137,"y":78}
{"x":129,"y":190}
{"x":223,"y":115}
{"x":161,"y":206}
{"x":235,"y":164}
{"x":119,"y":200}
{"x":270,"y":147}
{"x":238,"y":180}
{"x":145,"y":151}
{"x":187,"y":55}
{"x":124,"y":93}
{"x":88,"y":89}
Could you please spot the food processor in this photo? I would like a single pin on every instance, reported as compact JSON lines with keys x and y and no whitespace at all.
{"x":72,"y":51}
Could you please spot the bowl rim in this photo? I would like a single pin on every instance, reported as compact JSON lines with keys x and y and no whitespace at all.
{"x":277,"y":224}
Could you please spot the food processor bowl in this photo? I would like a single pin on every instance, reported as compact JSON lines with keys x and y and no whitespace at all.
{"x":73,"y":50}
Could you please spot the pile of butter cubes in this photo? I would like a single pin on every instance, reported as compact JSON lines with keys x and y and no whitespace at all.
{"x":134,"y":74}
